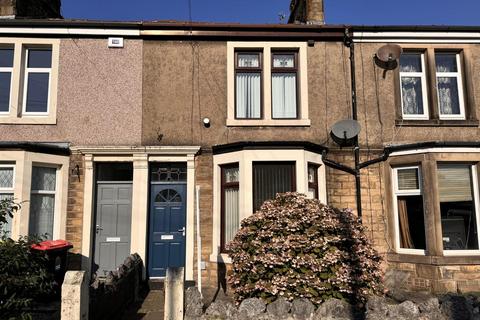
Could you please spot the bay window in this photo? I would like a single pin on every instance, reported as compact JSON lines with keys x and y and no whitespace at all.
{"x":457,"y":206}
{"x":408,"y":204}
{"x":7,"y":187}
{"x":230,"y":203}
{"x":270,"y":178}
{"x":313,"y":180}
{"x":42,"y":201}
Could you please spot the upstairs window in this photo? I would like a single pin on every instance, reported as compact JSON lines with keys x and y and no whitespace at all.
{"x":449,"y":86}
{"x":6,"y":71}
{"x":248,"y":87}
{"x":438,"y":96}
{"x":284,"y":85}
{"x":413,"y":86}
{"x":37,"y":81}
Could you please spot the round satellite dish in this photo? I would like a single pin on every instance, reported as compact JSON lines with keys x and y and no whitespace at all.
{"x":388,"y":55}
{"x":344,"y":132}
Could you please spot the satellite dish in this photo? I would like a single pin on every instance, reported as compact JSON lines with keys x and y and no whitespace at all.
{"x":388,"y":55}
{"x":344,"y":132}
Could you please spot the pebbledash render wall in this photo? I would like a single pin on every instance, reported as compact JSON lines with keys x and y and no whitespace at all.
{"x":99,"y":103}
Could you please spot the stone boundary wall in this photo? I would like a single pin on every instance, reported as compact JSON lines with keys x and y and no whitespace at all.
{"x":401,"y":306}
{"x":109,"y":297}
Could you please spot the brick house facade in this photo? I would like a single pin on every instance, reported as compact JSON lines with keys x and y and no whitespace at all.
{"x":132,"y":131}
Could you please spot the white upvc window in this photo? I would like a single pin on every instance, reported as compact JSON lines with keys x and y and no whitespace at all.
{"x":37,"y":79}
{"x":42,"y":201}
{"x":6,"y":72}
{"x":408,"y":209}
{"x":7,"y":188}
{"x":449,"y":86}
{"x":413,"y":86}
{"x":459,"y":208}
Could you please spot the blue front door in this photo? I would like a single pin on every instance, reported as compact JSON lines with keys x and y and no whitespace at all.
{"x":167,"y":228}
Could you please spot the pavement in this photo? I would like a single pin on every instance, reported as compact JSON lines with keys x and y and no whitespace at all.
{"x":151,"y":308}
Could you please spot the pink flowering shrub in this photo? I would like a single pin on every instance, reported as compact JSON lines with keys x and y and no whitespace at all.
{"x":295,"y":247}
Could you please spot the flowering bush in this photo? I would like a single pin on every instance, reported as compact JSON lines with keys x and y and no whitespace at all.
{"x":295,"y":247}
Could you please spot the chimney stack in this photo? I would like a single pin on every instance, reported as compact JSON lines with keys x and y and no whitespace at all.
{"x":30,"y":9}
{"x":307,"y":12}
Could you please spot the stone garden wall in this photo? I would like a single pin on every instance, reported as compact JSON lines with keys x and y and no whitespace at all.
{"x":110,"y":296}
{"x":402,"y":306}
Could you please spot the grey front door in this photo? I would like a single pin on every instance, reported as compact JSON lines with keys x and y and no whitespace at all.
{"x":167,"y":228}
{"x":112,"y":229}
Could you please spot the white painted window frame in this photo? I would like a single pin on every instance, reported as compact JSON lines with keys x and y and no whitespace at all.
{"x":474,"y":177}
{"x":8,"y":69}
{"x":245,"y":159}
{"x":457,"y":75}
{"x":49,"y":192}
{"x":12,"y":189}
{"x":396,"y":194}
{"x":423,"y":79}
{"x":27,"y":72}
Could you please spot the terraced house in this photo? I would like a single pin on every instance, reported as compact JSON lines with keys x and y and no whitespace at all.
{"x":116,"y":135}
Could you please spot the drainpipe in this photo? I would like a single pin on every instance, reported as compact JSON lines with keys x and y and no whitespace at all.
{"x":349,"y":43}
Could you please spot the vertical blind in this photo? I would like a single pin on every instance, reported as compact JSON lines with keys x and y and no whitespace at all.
{"x":42,"y":201}
{"x":248,"y":94}
{"x":232,"y":219}
{"x":271,"y":178}
{"x":454,"y":183}
{"x":284,"y":95}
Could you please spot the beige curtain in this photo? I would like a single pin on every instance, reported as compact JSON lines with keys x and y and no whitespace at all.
{"x":405,"y":237}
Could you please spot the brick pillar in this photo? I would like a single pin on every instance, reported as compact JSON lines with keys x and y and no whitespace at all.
{"x":315,"y":12}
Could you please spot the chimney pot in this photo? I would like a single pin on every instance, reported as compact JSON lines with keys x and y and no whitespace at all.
{"x":33,"y":9}
{"x":307,"y":11}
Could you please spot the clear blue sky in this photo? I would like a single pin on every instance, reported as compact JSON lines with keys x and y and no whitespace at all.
{"x":369,"y":12}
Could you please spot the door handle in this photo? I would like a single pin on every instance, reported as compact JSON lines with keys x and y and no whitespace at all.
{"x":98,"y":228}
{"x":182,"y":231}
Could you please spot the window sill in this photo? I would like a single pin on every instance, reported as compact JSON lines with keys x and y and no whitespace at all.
{"x":433,"y":260}
{"x":436,"y":123}
{"x":220,"y":258}
{"x":28,"y":120}
{"x":268,"y":123}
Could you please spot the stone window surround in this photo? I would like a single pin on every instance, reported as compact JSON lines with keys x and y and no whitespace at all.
{"x":434,"y":118}
{"x":15,"y":116}
{"x":23,"y":162}
{"x":427,"y":160}
{"x":141,"y":158}
{"x":245,"y":159}
{"x":302,"y":90}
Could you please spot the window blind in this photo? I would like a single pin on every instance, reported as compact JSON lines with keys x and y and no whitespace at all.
{"x":408,"y":179}
{"x":454,"y":183}
{"x":271,"y":178}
